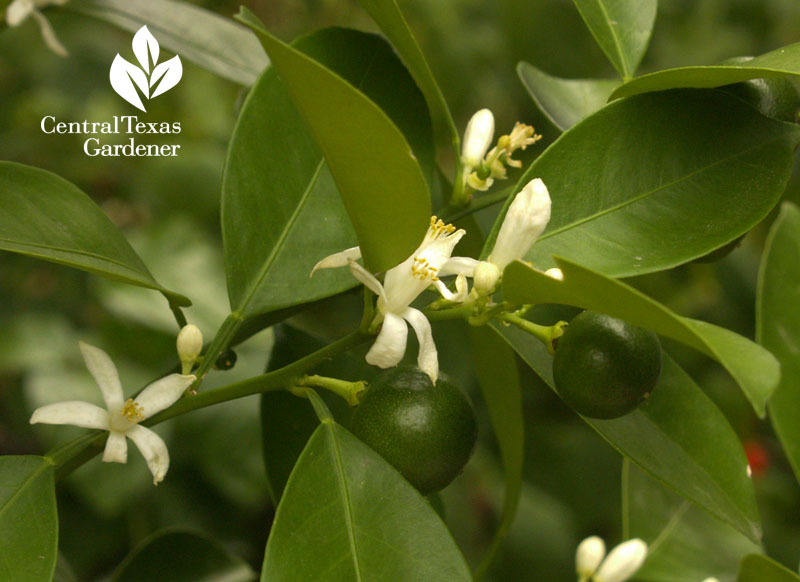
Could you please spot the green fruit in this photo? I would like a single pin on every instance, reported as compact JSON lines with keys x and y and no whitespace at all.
{"x":426,"y":432}
{"x":605,"y":367}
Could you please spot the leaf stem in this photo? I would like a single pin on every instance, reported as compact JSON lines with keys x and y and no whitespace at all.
{"x":546,"y":334}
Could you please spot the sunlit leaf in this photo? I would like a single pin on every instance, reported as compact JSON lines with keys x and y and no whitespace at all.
{"x":756,"y":568}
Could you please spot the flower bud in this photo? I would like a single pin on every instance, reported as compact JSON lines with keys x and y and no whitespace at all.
{"x":485,"y":278}
{"x":590,"y":553}
{"x":622,"y":562}
{"x":712,"y":579}
{"x":477,"y":138}
{"x":525,"y":220}
{"x":190,"y":344}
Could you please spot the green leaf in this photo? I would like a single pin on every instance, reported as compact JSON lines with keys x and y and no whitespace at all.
{"x":44,"y":216}
{"x":778,"y":325}
{"x":496,"y":368}
{"x":565,"y":102}
{"x":678,"y":436}
{"x":347,"y":514}
{"x":387,"y":15}
{"x":281,"y":211}
{"x":657,"y":180}
{"x":209,"y":40}
{"x":757,"y":568}
{"x":171,"y":556}
{"x":28,"y":519}
{"x":754,"y":368}
{"x":622,"y":29}
{"x":782,"y":61}
{"x":378,"y":175}
{"x":685,"y":544}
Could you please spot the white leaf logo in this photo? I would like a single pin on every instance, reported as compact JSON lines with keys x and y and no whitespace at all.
{"x":126,"y":77}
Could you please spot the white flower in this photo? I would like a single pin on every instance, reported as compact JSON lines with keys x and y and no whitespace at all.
{"x":477,"y":138}
{"x":622,"y":562}
{"x":588,"y":556}
{"x":402,"y":285}
{"x":19,"y":11}
{"x":120,"y":418}
{"x":190,"y":344}
{"x":525,"y":220}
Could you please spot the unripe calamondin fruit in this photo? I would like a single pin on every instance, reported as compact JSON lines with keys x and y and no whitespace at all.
{"x":605,"y":367}
{"x":426,"y":432}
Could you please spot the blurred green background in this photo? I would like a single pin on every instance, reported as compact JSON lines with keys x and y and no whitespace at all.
{"x":168,"y":208}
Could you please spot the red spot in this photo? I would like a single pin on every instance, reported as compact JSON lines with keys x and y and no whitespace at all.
{"x":757,"y":456}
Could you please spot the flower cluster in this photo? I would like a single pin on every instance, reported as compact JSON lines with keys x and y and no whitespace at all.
{"x":121,"y":417}
{"x":525,"y":220}
{"x":479,"y":168}
{"x":591,"y":562}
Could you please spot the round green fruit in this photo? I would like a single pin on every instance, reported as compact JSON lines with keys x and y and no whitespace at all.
{"x":426,"y":432}
{"x":605,"y":367}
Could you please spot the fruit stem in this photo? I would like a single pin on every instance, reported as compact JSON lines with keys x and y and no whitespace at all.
{"x":350,"y":391}
{"x":548,"y":335}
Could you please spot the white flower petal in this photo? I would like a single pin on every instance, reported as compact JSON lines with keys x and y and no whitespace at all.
{"x":477,"y":137}
{"x":163,"y":393}
{"x":461,"y":289}
{"x":622,"y":562}
{"x":338,"y":259}
{"x":73,"y":412}
{"x":588,"y":556}
{"x":18,"y":11}
{"x":390,"y":345}
{"x":49,"y":35}
{"x":116,"y":450}
{"x":526,"y":219}
{"x":105,"y":374}
{"x":428,"y":358}
{"x":368,"y":279}
{"x":555,"y":273}
{"x":457,"y":265}
{"x":153,"y":449}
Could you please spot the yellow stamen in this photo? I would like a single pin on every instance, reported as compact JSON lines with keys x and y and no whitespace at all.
{"x":132,"y":411}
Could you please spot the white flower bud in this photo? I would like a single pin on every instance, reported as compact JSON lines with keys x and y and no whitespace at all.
{"x":622,"y":562}
{"x":590,"y":553}
{"x":712,"y":579}
{"x":190,"y":344}
{"x":525,"y":220}
{"x":485,"y":278}
{"x":477,"y":138}
{"x":555,"y":273}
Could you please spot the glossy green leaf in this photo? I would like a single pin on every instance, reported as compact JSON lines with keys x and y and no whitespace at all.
{"x":757,"y":568}
{"x":685,"y":544}
{"x":281,"y":210}
{"x":496,"y":368}
{"x":782,"y":61}
{"x":565,"y":102}
{"x":359,"y":517}
{"x":657,"y":180}
{"x":778,"y":325}
{"x":378,"y":175}
{"x":678,"y":436}
{"x":622,"y":29}
{"x":44,"y":216}
{"x":387,"y":15}
{"x":209,"y":40}
{"x":754,"y":368}
{"x":174,"y":556}
{"x":28,"y":519}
